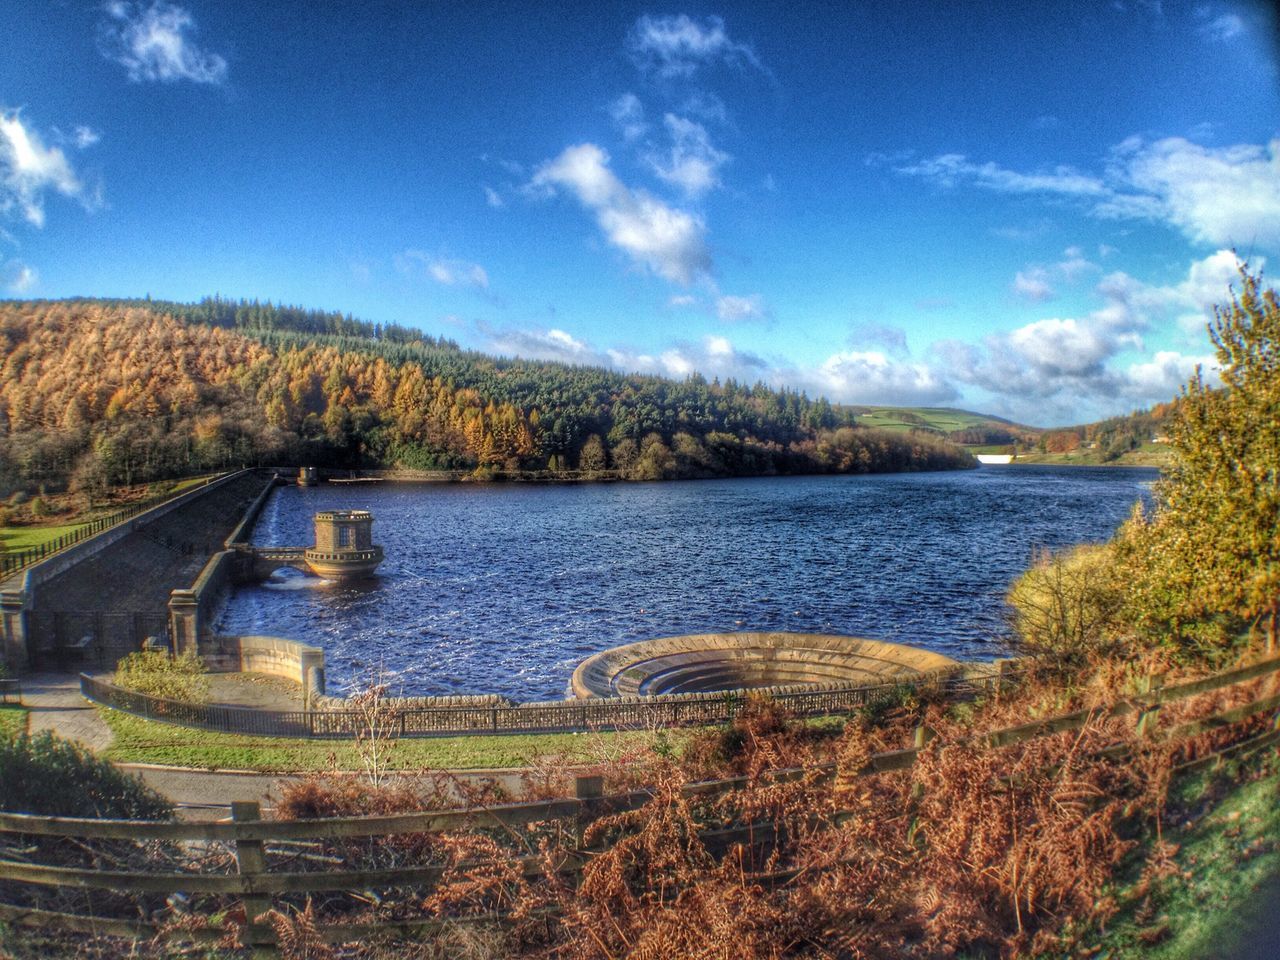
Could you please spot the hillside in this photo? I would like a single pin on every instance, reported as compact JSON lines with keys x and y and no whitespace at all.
{"x":97,"y":392}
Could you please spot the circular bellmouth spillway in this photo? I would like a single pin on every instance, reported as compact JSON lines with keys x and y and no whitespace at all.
{"x":709,"y":662}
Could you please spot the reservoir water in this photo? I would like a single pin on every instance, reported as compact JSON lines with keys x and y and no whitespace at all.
{"x":504,"y":588}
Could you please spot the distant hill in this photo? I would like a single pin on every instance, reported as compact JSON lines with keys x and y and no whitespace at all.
{"x":104,"y":392}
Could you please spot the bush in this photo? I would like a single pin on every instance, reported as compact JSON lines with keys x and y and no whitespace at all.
{"x":39,"y":508}
{"x":157,"y":674}
{"x":1066,"y":605}
{"x":47,"y":775}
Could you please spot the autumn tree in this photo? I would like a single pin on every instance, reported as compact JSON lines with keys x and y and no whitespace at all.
{"x":1205,"y":564}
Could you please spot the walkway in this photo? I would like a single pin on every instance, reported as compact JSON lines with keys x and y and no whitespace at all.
{"x":55,"y":704}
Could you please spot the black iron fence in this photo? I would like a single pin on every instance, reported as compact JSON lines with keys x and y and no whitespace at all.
{"x":569,"y":716}
{"x":13,"y":561}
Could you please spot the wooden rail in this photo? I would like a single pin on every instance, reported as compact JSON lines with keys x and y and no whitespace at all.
{"x":256,"y":883}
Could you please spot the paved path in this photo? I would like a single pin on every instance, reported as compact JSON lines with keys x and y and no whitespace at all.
{"x":55,"y":704}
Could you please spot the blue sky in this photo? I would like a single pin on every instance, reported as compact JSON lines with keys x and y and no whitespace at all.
{"x":1017,"y":208}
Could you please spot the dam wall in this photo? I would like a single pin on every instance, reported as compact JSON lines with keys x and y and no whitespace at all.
{"x":95,"y":601}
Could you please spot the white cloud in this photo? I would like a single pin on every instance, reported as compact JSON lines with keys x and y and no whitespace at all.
{"x":555,"y":345}
{"x":17,"y":277}
{"x":29,"y":169}
{"x":871,"y":376}
{"x":1073,"y":369}
{"x":682,"y":300}
{"x":1074,"y":264}
{"x":444,"y":271}
{"x":493,"y":198}
{"x":1223,"y":27}
{"x":666,"y":240}
{"x":1227,"y":195}
{"x":628,"y":114}
{"x":155,"y":42}
{"x":1033,"y":284}
{"x":692,"y":164}
{"x":676,"y":46}
{"x":1223,"y":195}
{"x":84,"y":137}
{"x":732,"y":309}
{"x":893,"y":339}
{"x":952,"y":169}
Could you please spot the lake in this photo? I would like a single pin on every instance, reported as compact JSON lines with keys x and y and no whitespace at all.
{"x":504,"y":588}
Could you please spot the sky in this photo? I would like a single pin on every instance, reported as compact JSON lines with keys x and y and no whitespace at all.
{"x":1022,"y":209}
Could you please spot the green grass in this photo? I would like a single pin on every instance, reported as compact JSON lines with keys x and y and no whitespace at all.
{"x":1225,"y":870}
{"x":143,"y":741}
{"x":939,"y":418}
{"x":13,"y":721}
{"x":17,"y":539}
{"x":1148,"y":455}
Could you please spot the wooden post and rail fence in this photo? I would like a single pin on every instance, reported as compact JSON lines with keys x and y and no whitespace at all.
{"x":252,"y":839}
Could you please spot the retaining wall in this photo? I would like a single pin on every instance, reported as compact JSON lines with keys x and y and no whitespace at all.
{"x":277,"y":656}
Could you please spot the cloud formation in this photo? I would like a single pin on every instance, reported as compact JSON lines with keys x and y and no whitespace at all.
{"x":156,"y":42}
{"x":677,"y":46}
{"x":871,"y":376}
{"x":17,"y":277}
{"x":450,"y":273}
{"x":628,"y":115}
{"x":666,"y":240}
{"x":692,"y":164}
{"x":1214,"y":195}
{"x":733,"y":309}
{"x":1061,"y":366}
{"x":29,"y":169}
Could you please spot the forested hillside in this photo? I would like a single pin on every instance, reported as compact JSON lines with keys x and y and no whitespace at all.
{"x":97,"y":393}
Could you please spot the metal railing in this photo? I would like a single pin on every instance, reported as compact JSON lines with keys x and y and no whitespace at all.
{"x":16,"y":561}
{"x":569,"y":716}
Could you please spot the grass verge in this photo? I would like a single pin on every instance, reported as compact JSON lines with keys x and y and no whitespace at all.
{"x":144,"y":741}
{"x":17,"y":539}
{"x":13,"y":721}
{"x":1213,"y":896}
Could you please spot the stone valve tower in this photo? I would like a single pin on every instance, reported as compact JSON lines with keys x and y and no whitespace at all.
{"x":344,"y":547}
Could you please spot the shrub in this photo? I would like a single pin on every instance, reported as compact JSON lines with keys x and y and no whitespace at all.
{"x":48,"y":775}
{"x":1066,"y":605}
{"x":39,"y":508}
{"x":157,"y":674}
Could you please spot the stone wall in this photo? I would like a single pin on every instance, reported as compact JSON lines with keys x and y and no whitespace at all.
{"x":276,"y":656}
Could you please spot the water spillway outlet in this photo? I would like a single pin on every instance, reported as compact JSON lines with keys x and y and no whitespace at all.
{"x":711,"y":662}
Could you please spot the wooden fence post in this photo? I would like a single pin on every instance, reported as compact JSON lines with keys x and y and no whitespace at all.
{"x":919,"y":739}
{"x":586,"y":789}
{"x":1147,"y":718}
{"x":251,"y":860}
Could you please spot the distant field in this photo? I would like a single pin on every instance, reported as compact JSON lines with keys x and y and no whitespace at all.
{"x":1148,"y":455}
{"x":939,"y":418}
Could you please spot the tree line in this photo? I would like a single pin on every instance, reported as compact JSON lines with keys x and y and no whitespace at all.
{"x":95,"y":393}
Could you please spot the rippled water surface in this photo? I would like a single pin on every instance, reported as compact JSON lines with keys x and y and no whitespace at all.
{"x":505,"y":588}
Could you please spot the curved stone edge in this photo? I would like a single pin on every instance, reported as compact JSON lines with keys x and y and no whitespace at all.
{"x":596,"y":677}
